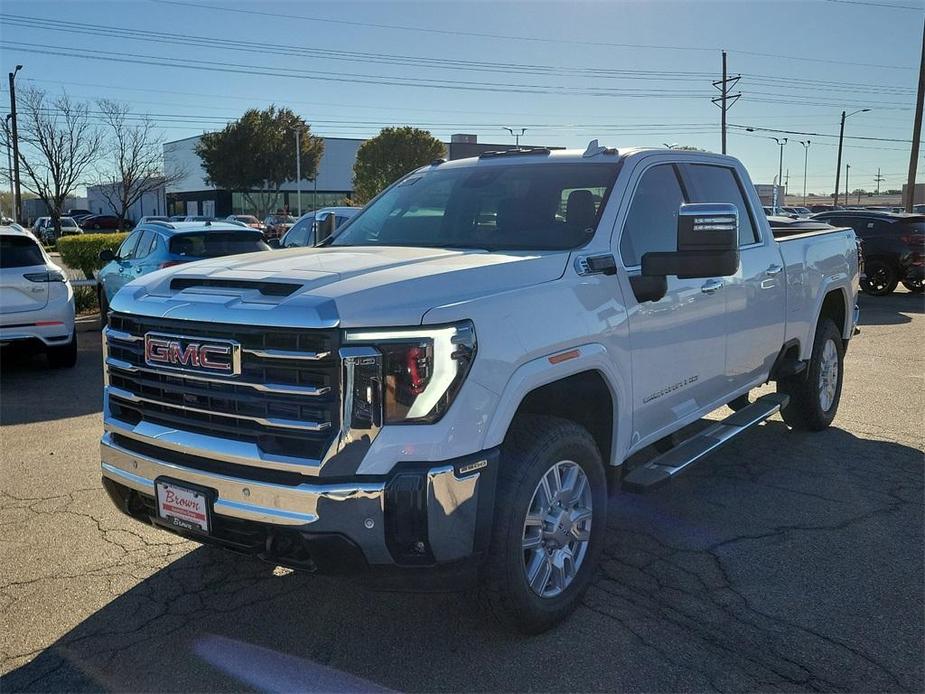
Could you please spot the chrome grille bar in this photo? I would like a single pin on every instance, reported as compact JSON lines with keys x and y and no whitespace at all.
{"x":273,"y":388}
{"x":272,"y":422}
{"x":285,"y":354}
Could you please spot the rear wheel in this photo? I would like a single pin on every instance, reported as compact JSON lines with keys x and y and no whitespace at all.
{"x":64,"y":356}
{"x":880,"y":278}
{"x":914,"y":286}
{"x":815,"y":393}
{"x":550,"y":517}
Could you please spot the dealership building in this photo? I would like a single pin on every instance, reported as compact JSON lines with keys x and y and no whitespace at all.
{"x":191,"y":195}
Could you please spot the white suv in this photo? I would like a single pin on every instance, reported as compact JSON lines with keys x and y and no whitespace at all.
{"x":36,"y":299}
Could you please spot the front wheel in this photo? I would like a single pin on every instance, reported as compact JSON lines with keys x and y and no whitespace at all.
{"x":914,"y":286}
{"x":815,"y":393}
{"x":880,"y":278}
{"x":550,"y":518}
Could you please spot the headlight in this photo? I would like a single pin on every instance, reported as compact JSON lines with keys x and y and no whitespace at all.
{"x":422,"y":369}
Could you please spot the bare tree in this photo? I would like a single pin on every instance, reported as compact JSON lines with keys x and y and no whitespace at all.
{"x":58,"y":143}
{"x":135,"y":150}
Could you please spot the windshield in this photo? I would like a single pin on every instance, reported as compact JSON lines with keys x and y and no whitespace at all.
{"x":212,"y":244}
{"x":19,"y":251}
{"x":68,"y":222}
{"x":512,"y":207}
{"x":246,"y":219}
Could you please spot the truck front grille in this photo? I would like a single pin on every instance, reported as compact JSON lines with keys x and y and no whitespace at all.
{"x":285,"y":400}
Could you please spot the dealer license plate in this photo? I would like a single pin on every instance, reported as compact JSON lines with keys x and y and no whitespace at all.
{"x":182,"y":507}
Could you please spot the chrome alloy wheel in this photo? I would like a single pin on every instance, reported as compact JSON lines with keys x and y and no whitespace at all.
{"x":828,"y":376}
{"x":557,"y":529}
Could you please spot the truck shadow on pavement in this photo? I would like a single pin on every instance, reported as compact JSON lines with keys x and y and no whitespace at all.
{"x":787,"y":560}
{"x":895,"y":309}
{"x":34,"y":392}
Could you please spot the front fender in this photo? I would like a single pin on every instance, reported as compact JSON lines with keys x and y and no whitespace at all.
{"x":554,"y":367}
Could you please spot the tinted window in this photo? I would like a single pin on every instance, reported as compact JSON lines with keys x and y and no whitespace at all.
{"x":495,"y":207}
{"x":146,"y":244}
{"x":127,"y":249}
{"x":212,"y":244}
{"x":652,"y":221}
{"x":19,"y":251}
{"x":298,"y":234}
{"x":719,"y":184}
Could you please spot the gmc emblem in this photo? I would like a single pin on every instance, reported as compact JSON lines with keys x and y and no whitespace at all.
{"x":189,"y":354}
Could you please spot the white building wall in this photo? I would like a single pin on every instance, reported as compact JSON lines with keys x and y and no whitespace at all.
{"x":335,"y":170}
{"x":150,"y":203}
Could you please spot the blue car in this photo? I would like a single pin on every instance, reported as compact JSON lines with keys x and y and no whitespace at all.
{"x":156,"y":245}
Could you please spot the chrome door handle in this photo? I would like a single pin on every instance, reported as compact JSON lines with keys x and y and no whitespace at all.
{"x":773,"y":269}
{"x":712,"y":286}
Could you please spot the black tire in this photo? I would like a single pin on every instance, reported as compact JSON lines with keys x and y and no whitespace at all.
{"x":914,"y":286}
{"x":806,"y":409}
{"x":533,"y":446}
{"x":103,"y":303}
{"x":880,"y":278}
{"x":65,"y":356}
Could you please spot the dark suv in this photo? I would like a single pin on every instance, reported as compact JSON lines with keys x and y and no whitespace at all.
{"x":893,"y":247}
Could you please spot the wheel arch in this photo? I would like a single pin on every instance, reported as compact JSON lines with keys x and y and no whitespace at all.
{"x":835,"y":305}
{"x":583,"y":389}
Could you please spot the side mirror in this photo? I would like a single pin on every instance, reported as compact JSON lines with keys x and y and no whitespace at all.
{"x":325,"y":228}
{"x":106,"y":255}
{"x":273,"y":243}
{"x":708,"y":246}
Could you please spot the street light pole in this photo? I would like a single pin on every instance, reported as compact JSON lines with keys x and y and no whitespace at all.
{"x":9,"y":163}
{"x":847,"y":189}
{"x":516,"y":136}
{"x":841,"y":139}
{"x":780,"y":165}
{"x":17,"y":192}
{"x":805,"y":144}
{"x":298,"y":170}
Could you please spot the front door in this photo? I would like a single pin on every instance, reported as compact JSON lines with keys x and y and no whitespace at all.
{"x":677,"y":344}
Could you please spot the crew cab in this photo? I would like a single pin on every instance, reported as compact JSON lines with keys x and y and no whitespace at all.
{"x":441,"y":389}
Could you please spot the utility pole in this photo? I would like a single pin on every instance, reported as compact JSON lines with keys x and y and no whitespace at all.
{"x":786,"y":180}
{"x":841,"y":139}
{"x":878,"y":179}
{"x":17,"y":192}
{"x":516,"y":136}
{"x":725,"y":100}
{"x":805,"y":144}
{"x":916,"y":132}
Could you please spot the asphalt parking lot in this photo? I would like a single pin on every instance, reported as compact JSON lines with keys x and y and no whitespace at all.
{"x":786,"y":561}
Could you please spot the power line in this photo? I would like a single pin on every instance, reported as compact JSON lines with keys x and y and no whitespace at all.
{"x":240,"y":45}
{"x":340,"y":77}
{"x":881,"y":5}
{"x":802,"y":132}
{"x":511,"y":37}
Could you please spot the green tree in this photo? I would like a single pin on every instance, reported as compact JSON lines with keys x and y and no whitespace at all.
{"x":256,"y":154}
{"x":389,"y":156}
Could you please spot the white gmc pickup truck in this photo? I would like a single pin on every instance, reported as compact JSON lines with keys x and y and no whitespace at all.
{"x":439,"y":389}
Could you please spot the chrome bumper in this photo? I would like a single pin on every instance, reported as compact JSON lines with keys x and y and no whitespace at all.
{"x":355,"y":510}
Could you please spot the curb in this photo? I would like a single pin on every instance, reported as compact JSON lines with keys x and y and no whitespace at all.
{"x":87,"y":323}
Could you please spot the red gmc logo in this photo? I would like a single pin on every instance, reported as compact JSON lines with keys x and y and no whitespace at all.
{"x":216,"y":356}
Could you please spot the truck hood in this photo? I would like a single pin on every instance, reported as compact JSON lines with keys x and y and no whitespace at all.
{"x":325,"y":287}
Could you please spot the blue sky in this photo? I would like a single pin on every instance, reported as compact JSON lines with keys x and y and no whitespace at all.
{"x":572,"y":75}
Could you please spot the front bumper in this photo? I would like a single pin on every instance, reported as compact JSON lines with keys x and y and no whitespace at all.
{"x":419,"y":515}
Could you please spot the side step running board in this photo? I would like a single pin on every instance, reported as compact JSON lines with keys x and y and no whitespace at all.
{"x":660,"y":470}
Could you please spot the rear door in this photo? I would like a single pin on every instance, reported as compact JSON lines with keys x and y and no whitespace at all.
{"x":677,"y":343}
{"x":20,"y":257}
{"x":756,"y":296}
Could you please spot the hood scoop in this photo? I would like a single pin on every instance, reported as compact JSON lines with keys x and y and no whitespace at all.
{"x":179,"y":284}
